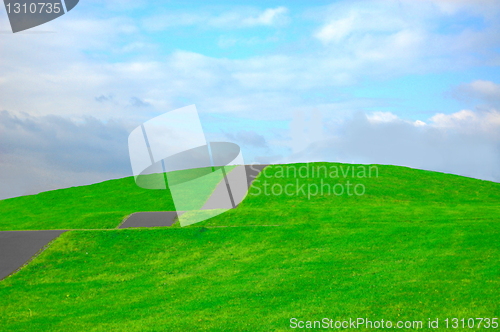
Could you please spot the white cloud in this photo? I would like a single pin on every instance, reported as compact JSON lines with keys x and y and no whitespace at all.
{"x":236,"y":18}
{"x":269,"y":16}
{"x":454,"y":119}
{"x":464,"y":143}
{"x":382,"y":117}
{"x":407,"y":36}
{"x":50,"y":152}
{"x":358,"y":18}
{"x":469,"y":122}
{"x":484,"y":91}
{"x":486,"y":88}
{"x":63,"y":80}
{"x":335,"y":31}
{"x":452,"y":7}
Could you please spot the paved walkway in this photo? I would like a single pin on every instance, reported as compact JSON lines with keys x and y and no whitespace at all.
{"x":150,"y":219}
{"x":17,"y":247}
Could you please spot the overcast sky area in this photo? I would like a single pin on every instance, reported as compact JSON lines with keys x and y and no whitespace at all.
{"x":411,"y":83}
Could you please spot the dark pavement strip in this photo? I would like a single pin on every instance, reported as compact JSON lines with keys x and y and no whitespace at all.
{"x":168,"y":218}
{"x":252,"y":172}
{"x":150,"y":219}
{"x":17,"y":247}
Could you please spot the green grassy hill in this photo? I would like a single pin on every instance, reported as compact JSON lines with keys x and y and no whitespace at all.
{"x":97,"y":206}
{"x":415,"y":245}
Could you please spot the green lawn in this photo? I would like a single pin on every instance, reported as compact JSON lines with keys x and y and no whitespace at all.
{"x":398,"y":194}
{"x":416,"y":245}
{"x":97,"y":206}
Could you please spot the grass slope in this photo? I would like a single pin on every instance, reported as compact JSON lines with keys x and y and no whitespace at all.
{"x":102,"y":205}
{"x":417,"y":245}
{"x":97,"y":206}
{"x":397,"y":194}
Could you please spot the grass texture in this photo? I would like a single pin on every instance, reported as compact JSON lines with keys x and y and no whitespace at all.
{"x":416,"y":245}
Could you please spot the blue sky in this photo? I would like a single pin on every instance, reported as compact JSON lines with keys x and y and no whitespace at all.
{"x":287,"y":80}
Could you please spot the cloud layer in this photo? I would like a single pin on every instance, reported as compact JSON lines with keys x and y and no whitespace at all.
{"x":50,"y":152}
{"x":70,"y":98}
{"x":465,"y":143}
{"x":351,"y":41}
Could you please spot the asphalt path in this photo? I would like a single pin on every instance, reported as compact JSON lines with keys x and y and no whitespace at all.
{"x":17,"y":247}
{"x":150,"y":219}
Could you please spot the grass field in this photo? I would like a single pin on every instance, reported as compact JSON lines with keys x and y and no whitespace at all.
{"x":415,"y":245}
{"x":97,"y":206}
